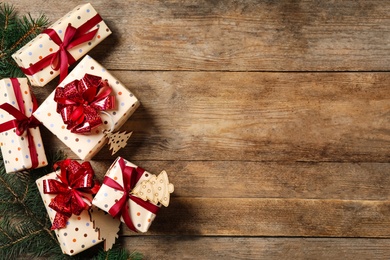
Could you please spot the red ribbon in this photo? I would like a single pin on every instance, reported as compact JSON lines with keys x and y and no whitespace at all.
{"x":75,"y":180}
{"x":81,"y":101}
{"x":61,"y":59}
{"x":22,"y":123}
{"x":130,"y":176}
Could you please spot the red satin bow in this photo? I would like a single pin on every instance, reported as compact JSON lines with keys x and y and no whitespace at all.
{"x":61,"y":59}
{"x":21,"y":122}
{"x":131,"y":176}
{"x":81,"y":101}
{"x":75,"y":180}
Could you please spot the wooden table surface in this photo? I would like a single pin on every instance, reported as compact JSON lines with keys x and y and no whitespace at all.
{"x":272,"y":119}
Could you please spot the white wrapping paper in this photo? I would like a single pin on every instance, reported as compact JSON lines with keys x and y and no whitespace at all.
{"x":42,"y":45}
{"x":15,"y":149}
{"x":107,"y":197}
{"x":86,"y":146}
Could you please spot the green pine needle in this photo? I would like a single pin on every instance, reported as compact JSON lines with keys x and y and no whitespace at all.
{"x":15,"y":33}
{"x":24,"y":228}
{"x":24,"y":223}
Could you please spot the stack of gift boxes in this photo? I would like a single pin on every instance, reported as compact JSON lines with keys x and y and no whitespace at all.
{"x":84,"y":110}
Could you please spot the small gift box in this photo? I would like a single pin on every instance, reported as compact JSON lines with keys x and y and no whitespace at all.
{"x":62,"y":44}
{"x":20,"y":138}
{"x":133,"y":194}
{"x":67,"y":195}
{"x":88,"y":102}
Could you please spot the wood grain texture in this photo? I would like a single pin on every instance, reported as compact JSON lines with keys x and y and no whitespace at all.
{"x":238,"y":35}
{"x":236,"y":179}
{"x":199,"y":247}
{"x":257,"y":116}
{"x":270,"y":117}
{"x":272,"y":217}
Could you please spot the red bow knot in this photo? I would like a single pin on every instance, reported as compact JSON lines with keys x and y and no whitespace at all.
{"x":21,"y":122}
{"x":121,"y":208}
{"x":26,"y":123}
{"x":61,"y":59}
{"x":75,"y":180}
{"x":80,"y":102}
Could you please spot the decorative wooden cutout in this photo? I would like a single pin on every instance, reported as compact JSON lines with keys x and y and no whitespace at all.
{"x":117,"y":140}
{"x":107,"y":225}
{"x":156,"y":189}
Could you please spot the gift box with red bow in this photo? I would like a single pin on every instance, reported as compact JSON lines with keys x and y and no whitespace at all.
{"x":132,"y":194}
{"x":62,"y":44}
{"x":67,"y":195}
{"x":88,"y":104}
{"x":20,"y":138}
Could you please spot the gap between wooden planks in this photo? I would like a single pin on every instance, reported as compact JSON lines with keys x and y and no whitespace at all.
{"x":272,"y":217}
{"x":237,"y":179}
{"x":195,"y":247}
{"x":255,"y":116}
{"x":348,"y":35}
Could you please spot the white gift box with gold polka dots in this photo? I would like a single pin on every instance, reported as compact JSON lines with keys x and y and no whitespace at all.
{"x":42,"y":46}
{"x":85,"y":146}
{"x":15,"y":149}
{"x":107,"y":197}
{"x":80,"y":232}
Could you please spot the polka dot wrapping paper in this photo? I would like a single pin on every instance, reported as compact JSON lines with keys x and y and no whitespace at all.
{"x":15,"y":148}
{"x":80,"y":232}
{"x":86,"y":146}
{"x":107,"y":197}
{"x":42,"y":46}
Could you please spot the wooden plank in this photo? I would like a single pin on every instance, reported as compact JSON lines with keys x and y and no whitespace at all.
{"x":272,"y":217}
{"x":194,"y":247}
{"x":349,"y":35}
{"x":256,"y":116}
{"x":226,"y":179}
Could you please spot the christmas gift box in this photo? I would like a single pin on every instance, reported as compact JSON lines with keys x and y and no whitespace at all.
{"x":20,"y":138}
{"x":62,"y":44}
{"x":132,"y":194}
{"x":67,"y":195}
{"x":90,"y":104}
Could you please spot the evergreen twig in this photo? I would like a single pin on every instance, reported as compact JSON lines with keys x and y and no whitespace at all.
{"x":14,"y":34}
{"x":26,"y":208}
{"x":24,"y":223}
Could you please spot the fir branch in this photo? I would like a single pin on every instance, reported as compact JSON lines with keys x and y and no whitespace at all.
{"x":29,"y":235}
{"x":27,"y":210}
{"x":24,"y":230}
{"x":5,"y":233}
{"x":24,"y":223}
{"x":34,"y":28}
{"x":8,"y":12}
{"x":15,"y":33}
{"x":9,"y":15}
{"x":8,"y":187}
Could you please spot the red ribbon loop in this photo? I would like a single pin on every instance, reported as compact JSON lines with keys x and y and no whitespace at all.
{"x":121,"y":208}
{"x":76,"y":180}
{"x":22,"y":122}
{"x":80,"y":102}
{"x":62,"y":59}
